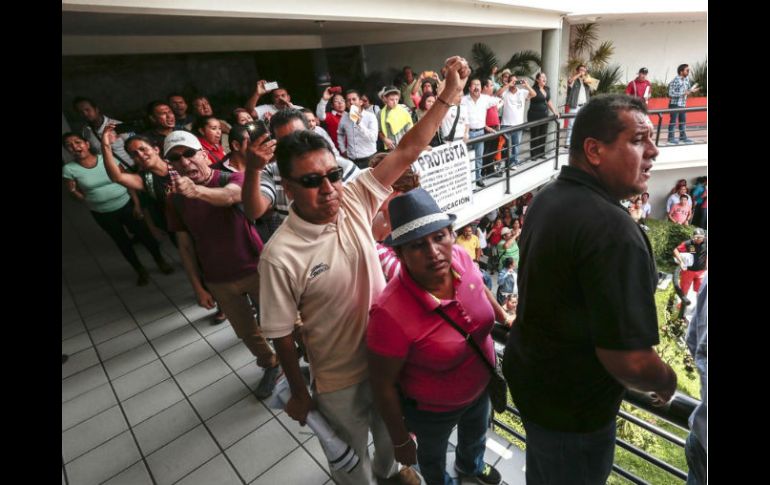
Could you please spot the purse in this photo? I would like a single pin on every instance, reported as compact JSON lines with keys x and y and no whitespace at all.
{"x":497,"y":387}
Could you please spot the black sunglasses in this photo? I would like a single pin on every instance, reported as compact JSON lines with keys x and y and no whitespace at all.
{"x":313,"y":180}
{"x":175,"y":157}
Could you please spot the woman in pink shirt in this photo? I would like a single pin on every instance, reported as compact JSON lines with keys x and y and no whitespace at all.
{"x":425,"y":377}
{"x":680,"y":213}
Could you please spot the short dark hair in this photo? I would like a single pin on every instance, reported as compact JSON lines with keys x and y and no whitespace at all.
{"x":296,"y":145}
{"x":83,"y":99}
{"x":154,"y":104}
{"x":681,"y":68}
{"x":352,"y":91}
{"x":173,"y":94}
{"x":286,"y":116}
{"x":507,"y":262}
{"x":238,"y":133}
{"x":599,"y":118}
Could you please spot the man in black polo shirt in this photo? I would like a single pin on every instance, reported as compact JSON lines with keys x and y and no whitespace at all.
{"x":586,"y":319}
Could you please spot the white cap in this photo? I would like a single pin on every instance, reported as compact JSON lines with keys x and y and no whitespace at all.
{"x":183,"y":138}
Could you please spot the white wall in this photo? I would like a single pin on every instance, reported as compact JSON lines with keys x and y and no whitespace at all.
{"x":659,"y":46}
{"x":431,"y":54}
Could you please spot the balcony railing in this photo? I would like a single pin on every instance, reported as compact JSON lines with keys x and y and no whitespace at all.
{"x":556,"y":145}
{"x":675,"y":413}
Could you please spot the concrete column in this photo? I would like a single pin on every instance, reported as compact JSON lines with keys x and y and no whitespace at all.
{"x":551,"y":39}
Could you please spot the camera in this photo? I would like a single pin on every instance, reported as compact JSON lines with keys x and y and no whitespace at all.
{"x":519,"y":81}
{"x":257,"y":129}
{"x":335,"y":89}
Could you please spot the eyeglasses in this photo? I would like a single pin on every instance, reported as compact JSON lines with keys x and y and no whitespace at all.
{"x":313,"y":180}
{"x":175,"y":157}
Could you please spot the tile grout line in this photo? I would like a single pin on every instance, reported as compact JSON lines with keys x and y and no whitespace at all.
{"x":101,"y":362}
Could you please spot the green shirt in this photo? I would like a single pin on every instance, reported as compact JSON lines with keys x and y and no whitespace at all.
{"x":102,"y":195}
{"x":511,"y":252}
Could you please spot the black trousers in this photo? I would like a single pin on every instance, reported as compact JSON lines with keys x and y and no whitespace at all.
{"x":113,"y":223}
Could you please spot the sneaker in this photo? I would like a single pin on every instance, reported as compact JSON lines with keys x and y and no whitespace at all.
{"x":488,"y":475}
{"x":481,"y":184}
{"x":686,"y":140}
{"x":672,"y":141}
{"x":267,"y":384}
{"x":219,"y":317}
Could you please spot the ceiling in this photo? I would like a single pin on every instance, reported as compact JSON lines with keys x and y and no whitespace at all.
{"x":112,"y":24}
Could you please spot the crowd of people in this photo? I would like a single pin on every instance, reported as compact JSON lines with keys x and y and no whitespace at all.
{"x":311,"y":233}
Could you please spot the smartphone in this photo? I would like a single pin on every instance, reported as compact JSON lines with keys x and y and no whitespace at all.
{"x":256,"y":129}
{"x":271,"y":86}
{"x":519,"y":81}
{"x":124,"y":128}
{"x":335,"y":89}
{"x":427,"y":74}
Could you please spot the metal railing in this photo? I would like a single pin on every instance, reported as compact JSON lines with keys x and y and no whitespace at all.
{"x":675,"y":412}
{"x":555,"y":148}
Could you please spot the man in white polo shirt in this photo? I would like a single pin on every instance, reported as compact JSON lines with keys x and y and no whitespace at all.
{"x":477,"y":105}
{"x":322,"y":263}
{"x":515,"y":95}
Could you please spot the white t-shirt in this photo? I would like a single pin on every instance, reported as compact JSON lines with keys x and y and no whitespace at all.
{"x":513,"y":107}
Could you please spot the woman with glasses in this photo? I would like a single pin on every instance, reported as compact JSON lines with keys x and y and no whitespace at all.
{"x":111,"y":205}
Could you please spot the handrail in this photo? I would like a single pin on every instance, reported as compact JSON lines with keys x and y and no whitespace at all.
{"x":675,"y":412}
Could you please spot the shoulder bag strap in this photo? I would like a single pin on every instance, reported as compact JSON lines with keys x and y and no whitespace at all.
{"x":468,"y":338}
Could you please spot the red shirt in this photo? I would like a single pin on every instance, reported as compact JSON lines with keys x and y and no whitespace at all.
{"x":332,"y":123}
{"x":215,"y":152}
{"x":441,"y":371}
{"x":493,"y":118}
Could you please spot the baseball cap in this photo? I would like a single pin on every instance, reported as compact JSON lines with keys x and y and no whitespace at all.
{"x":180,"y":138}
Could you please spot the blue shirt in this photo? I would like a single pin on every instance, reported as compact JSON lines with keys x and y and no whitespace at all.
{"x":697,"y":341}
{"x":507,"y":282}
{"x":677,"y":91}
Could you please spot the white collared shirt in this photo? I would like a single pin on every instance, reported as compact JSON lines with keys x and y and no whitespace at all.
{"x":358,"y":140}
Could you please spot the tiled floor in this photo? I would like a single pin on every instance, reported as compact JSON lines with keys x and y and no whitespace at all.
{"x":153,"y":393}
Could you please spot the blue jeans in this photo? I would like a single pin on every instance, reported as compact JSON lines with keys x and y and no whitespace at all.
{"x":514,"y":140}
{"x":433,"y":429}
{"x":570,"y":122}
{"x":562,"y":457}
{"x":696,"y":461}
{"x":478,"y":148}
{"x":681,"y":118}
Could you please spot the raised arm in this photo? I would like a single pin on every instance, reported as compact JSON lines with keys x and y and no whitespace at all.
{"x":420,"y":135}
{"x":129,"y":180}
{"x":225,"y":196}
{"x":251,"y":103}
{"x":258,"y":155}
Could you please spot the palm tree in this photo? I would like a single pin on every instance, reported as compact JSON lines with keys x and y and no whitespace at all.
{"x":523,"y":63}
{"x":700,"y":75}
{"x":582,"y":51}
